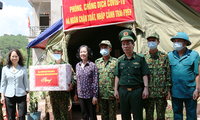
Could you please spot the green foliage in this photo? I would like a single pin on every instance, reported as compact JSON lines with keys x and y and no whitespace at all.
{"x":33,"y":103}
{"x":9,"y":42}
{"x":43,"y":95}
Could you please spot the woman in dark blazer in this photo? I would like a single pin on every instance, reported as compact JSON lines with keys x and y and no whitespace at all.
{"x":14,"y":85}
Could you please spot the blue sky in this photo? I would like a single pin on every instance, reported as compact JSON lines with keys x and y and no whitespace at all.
{"x":14,"y":17}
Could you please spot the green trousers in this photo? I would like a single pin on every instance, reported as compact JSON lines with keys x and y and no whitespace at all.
{"x":131,"y":100}
{"x":161,"y":104}
{"x":60,"y":102}
{"x":108,"y":109}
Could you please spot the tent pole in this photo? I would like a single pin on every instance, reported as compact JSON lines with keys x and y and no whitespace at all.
{"x":27,"y":60}
{"x":64,"y":36}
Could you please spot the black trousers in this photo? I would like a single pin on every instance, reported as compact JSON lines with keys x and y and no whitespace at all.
{"x":11,"y":107}
{"x":88,"y":109}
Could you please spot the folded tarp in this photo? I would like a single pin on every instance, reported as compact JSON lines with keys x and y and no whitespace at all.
{"x":41,"y":40}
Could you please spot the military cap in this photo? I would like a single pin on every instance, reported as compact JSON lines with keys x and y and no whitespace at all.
{"x":153,"y":34}
{"x":181,"y":35}
{"x":105,"y":42}
{"x":57,"y":47}
{"x":127,"y":35}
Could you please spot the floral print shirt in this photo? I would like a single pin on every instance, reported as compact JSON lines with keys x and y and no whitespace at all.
{"x":87,"y":80}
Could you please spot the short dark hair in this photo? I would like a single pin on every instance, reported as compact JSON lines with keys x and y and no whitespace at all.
{"x":90,"y":53}
{"x":21,"y":59}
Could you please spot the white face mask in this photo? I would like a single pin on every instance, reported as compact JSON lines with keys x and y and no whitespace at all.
{"x":178,"y":46}
{"x":104,"y":52}
{"x":152,"y":45}
{"x":57,"y":56}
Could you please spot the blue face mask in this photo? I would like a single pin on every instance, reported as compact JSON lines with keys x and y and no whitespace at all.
{"x":57,"y":56}
{"x":152,"y":45}
{"x":104,"y":52}
{"x":178,"y":46}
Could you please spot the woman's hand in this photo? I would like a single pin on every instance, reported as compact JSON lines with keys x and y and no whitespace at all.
{"x":2,"y":99}
{"x":76,"y":98}
{"x":94,"y":100}
{"x":28,"y":97}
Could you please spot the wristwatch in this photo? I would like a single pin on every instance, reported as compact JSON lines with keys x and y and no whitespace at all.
{"x":146,"y":86}
{"x":197,"y":90}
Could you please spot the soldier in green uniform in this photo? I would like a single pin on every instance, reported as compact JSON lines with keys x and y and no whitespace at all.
{"x":106,"y":66}
{"x":159,"y":79}
{"x":131,"y":78}
{"x":60,"y":100}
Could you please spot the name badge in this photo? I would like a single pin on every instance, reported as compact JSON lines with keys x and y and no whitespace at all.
{"x":122,"y":64}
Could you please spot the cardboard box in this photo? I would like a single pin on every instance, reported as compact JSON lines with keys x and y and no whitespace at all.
{"x":50,"y":77}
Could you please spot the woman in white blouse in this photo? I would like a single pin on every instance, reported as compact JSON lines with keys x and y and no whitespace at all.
{"x":14,"y":85}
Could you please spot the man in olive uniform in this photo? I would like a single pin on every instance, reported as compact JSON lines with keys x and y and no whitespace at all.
{"x":159,"y":79}
{"x":131,"y":80}
{"x":60,"y":100}
{"x":106,"y":66}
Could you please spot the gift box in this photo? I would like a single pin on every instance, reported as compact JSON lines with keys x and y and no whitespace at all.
{"x":50,"y":77}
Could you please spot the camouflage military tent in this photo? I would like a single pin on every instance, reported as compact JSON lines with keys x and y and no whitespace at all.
{"x":166,"y":17}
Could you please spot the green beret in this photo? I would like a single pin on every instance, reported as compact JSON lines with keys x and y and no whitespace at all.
{"x":153,"y":34}
{"x":105,"y":42}
{"x":57,"y":47}
{"x":127,"y":35}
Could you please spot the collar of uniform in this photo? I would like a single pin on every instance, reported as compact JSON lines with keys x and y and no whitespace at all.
{"x":62,"y":62}
{"x":154,"y":56}
{"x":102,"y":60}
{"x":132,"y":57}
{"x":177,"y":55}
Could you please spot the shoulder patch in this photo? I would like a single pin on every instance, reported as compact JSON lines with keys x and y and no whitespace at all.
{"x":140,"y":55}
{"x":119,"y":58}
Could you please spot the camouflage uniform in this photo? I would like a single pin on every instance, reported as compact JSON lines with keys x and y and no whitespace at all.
{"x":60,"y":100}
{"x":159,"y":83}
{"x":107,"y":101}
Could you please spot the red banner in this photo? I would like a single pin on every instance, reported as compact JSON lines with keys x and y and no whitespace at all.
{"x":79,"y":14}
{"x":46,"y":77}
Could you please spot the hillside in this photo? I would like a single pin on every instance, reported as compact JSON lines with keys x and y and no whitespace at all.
{"x":9,"y":42}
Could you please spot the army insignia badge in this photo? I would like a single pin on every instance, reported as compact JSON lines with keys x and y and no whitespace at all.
{"x":125,"y":33}
{"x":136,"y":63}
